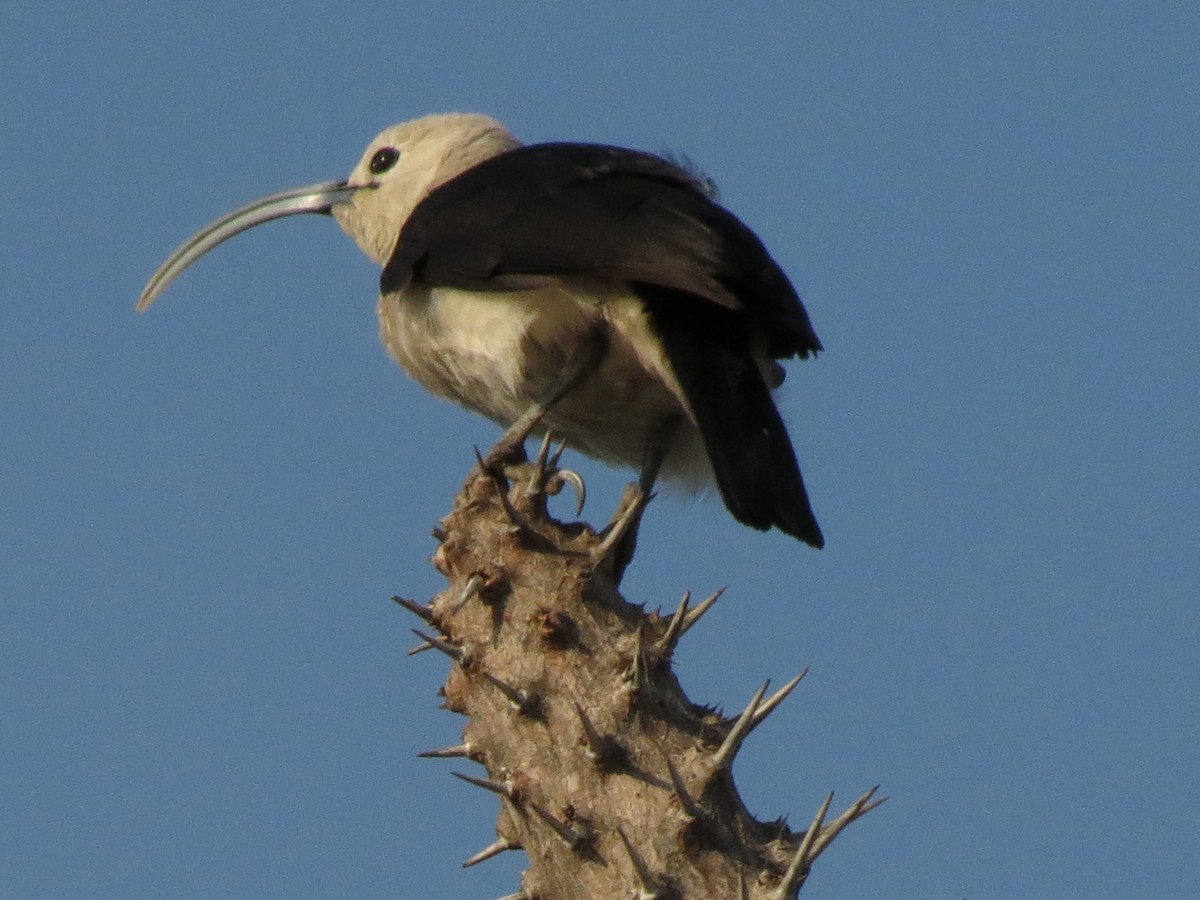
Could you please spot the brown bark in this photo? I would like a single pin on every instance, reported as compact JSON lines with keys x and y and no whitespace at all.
{"x":612,"y":782}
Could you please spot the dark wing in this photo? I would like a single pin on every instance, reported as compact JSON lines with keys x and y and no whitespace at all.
{"x":556,"y":210}
{"x":747,"y":442}
{"x":711,"y":289}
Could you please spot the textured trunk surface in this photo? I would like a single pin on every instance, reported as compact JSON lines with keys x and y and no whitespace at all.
{"x":611,"y":781}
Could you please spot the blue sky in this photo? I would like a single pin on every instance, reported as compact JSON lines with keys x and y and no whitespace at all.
{"x":992,"y":212}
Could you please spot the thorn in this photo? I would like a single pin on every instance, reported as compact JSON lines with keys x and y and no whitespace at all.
{"x":538,"y":470}
{"x":479,"y":462}
{"x":814,"y":829}
{"x":474,"y":583}
{"x":768,"y":706}
{"x":424,"y":613}
{"x":797,"y":871}
{"x":503,"y":452}
{"x":522,"y":701}
{"x":519,"y":522}
{"x":539,"y":464}
{"x":554,"y":459}
{"x":723,"y":758}
{"x":651,"y":889}
{"x":596,"y":743}
{"x":817,"y":838}
{"x":495,"y":849}
{"x":694,"y":615}
{"x":439,"y":534}
{"x":420,"y":648}
{"x":500,"y":483}
{"x":464,"y":750}
{"x":557,"y":629}
{"x":440,"y":562}
{"x":455,"y":653}
{"x":602,"y":751}
{"x":856,"y":810}
{"x":504,"y":788}
{"x":633,"y":675}
{"x":666,"y":643}
{"x":519,"y":895}
{"x":546,"y":476}
{"x":572,"y":838}
{"x":686,"y":801}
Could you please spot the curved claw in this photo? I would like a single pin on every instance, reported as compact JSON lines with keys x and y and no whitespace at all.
{"x":573,"y":478}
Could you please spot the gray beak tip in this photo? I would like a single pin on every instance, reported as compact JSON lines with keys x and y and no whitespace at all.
{"x":145,"y":300}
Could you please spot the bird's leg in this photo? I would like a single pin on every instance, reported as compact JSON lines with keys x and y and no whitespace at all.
{"x":511,"y":446}
{"x":652,"y":458}
{"x":620,"y":536}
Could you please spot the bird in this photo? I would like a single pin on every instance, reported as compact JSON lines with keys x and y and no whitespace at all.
{"x":598,"y":293}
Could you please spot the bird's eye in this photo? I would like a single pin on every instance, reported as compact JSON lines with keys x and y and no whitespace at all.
{"x":383,"y":159}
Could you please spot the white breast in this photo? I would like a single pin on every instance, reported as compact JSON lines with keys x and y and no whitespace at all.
{"x":497,"y":353}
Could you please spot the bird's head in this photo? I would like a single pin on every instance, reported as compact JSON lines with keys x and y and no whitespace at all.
{"x":403,"y":164}
{"x":398,"y":170}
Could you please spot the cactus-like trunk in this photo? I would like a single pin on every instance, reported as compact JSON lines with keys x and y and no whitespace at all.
{"x":613,"y":783}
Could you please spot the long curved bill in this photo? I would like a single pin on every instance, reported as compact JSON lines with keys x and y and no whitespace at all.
{"x":312,"y":198}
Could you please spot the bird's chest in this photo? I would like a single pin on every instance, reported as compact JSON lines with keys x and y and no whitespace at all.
{"x":489,"y":351}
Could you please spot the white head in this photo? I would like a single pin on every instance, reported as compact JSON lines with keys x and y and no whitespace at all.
{"x":406,"y":162}
{"x":397,"y":171}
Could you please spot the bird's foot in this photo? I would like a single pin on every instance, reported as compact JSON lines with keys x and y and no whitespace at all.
{"x":506,"y":453}
{"x":523,"y":486}
{"x":510,"y":449}
{"x":618,"y":540}
{"x":547,"y":479}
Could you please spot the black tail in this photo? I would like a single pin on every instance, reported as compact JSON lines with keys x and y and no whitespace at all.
{"x":747,"y":443}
